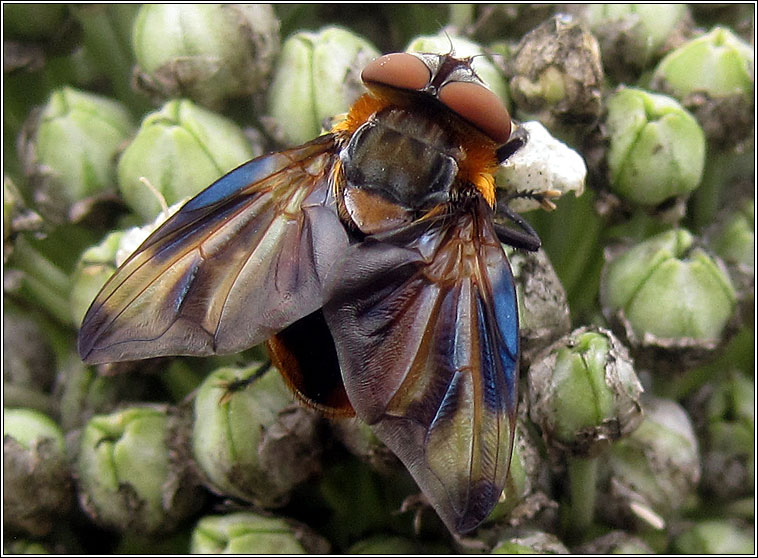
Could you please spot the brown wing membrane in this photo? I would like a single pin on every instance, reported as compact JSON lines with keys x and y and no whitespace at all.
{"x":426,"y":330}
{"x":240,"y":261}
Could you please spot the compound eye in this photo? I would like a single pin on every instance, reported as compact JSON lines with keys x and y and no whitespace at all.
{"x":401,"y":70}
{"x":480,"y":107}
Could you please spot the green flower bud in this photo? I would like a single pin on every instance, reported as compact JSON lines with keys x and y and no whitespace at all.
{"x":70,"y":157}
{"x":180,"y":149}
{"x":615,"y":542}
{"x":249,"y":533}
{"x":653,"y":472}
{"x":583,"y":392}
{"x":729,"y":439}
{"x":37,"y":487}
{"x":665,"y":291}
{"x":253,"y":443}
{"x":361,"y":441}
{"x":715,"y":537}
{"x":631,"y":36}
{"x":487,"y":71}
{"x":530,"y":541}
{"x":712,"y":75}
{"x":127,"y":478}
{"x":735,"y":239}
{"x":317,"y":77}
{"x":207,"y":52}
{"x":556,"y":73}
{"x":657,"y":149}
{"x":543,"y":307}
{"x":94,"y":268}
{"x":544,"y":164}
{"x":718,"y":62}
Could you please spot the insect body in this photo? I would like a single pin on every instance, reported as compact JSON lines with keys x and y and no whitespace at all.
{"x":369,"y":261}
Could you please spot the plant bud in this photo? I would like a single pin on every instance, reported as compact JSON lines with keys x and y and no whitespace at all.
{"x":128,"y":479}
{"x":206,"y":52}
{"x":556,"y":73}
{"x":729,"y":438}
{"x":254,"y":443}
{"x":37,"y":487}
{"x":70,"y":156}
{"x":651,"y":474}
{"x":657,"y":149}
{"x":527,"y":541}
{"x":733,"y":240}
{"x":250,"y":533}
{"x":317,"y":77}
{"x":713,"y":76}
{"x":632,"y":36}
{"x":543,"y":308}
{"x":180,"y":149}
{"x":668,"y":294}
{"x":583,"y":392}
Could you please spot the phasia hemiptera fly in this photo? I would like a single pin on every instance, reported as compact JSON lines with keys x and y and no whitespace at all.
{"x":370,"y":262}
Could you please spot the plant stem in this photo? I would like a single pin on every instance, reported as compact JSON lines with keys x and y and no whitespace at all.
{"x":583,"y":491}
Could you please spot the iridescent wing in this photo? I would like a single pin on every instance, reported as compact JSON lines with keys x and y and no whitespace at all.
{"x":426,"y":329}
{"x":240,"y":261}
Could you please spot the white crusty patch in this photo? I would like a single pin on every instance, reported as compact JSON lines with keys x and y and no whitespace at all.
{"x":544,"y":163}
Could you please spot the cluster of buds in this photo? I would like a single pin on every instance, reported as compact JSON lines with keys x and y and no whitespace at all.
{"x":641,"y":116}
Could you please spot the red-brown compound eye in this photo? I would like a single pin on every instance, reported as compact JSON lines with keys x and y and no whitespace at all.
{"x":480,"y":107}
{"x":400,"y":70}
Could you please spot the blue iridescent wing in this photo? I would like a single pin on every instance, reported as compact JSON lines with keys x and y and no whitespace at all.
{"x":425,"y":324}
{"x":240,"y":261}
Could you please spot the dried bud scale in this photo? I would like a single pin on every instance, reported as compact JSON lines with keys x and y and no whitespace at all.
{"x":556,"y":73}
{"x":37,"y":483}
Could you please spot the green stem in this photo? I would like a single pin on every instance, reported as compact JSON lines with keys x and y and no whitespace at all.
{"x":583,"y":491}
{"x":43,"y":282}
{"x":722,"y":168}
{"x":104,"y":37}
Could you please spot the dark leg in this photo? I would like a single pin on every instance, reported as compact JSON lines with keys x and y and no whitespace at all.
{"x":514,"y":143}
{"x":525,"y":239}
{"x":241,"y":383}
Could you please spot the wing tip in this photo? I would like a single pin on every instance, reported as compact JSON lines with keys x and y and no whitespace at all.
{"x":482,"y":500}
